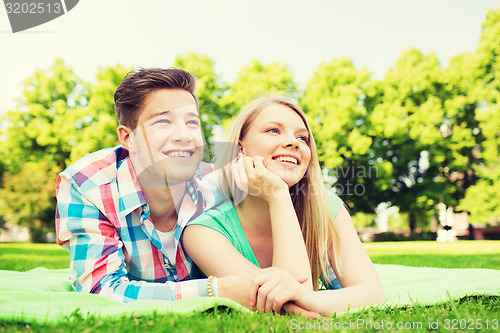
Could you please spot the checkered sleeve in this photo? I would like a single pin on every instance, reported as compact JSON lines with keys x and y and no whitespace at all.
{"x":97,"y":260}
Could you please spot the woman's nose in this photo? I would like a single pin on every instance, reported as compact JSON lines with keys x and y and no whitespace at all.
{"x":291,"y":141}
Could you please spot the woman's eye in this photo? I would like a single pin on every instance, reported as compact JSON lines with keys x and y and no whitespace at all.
{"x":193,"y":123}
{"x":303,"y":138}
{"x":273,"y":130}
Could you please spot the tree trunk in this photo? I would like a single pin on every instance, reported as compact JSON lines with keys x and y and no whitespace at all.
{"x":38,"y":235}
{"x":413,"y":222}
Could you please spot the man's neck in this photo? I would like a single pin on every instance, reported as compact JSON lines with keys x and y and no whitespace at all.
{"x":164,"y":204}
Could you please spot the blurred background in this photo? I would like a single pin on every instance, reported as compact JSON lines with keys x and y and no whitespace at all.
{"x":402,"y":96}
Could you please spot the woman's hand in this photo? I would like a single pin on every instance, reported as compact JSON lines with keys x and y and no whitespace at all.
{"x":279,"y":290}
{"x":252,"y":177}
{"x":258,"y":290}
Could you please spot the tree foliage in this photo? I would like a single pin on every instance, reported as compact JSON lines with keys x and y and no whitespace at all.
{"x":209,"y":90}
{"x":27,"y":198}
{"x":482,"y":199}
{"x":426,"y":135}
{"x":258,"y":79}
{"x":335,"y":103}
{"x":58,"y":120}
{"x":420,"y":136}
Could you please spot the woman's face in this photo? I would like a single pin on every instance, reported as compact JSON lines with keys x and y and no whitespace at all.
{"x":279,"y":135}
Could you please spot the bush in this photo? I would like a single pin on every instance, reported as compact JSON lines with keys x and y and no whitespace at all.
{"x":396,"y":237}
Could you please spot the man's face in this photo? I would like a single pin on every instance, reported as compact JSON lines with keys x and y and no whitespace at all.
{"x":167,"y":145}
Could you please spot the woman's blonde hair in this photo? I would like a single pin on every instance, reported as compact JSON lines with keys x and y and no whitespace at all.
{"x":309,"y":195}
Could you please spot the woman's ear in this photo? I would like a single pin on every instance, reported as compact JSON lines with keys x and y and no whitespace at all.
{"x":241,"y":149}
{"x":125,"y":136}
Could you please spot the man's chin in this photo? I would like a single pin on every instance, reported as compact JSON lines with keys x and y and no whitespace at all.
{"x":178,"y":179}
{"x":161,"y":183}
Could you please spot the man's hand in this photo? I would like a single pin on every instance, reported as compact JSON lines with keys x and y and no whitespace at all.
{"x":239,"y":288}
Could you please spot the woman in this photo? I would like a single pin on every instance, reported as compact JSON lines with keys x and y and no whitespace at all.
{"x":285,"y":220}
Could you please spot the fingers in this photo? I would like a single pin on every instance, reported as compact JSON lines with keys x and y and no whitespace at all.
{"x":253,"y":289}
{"x":283,"y":291}
{"x":280,"y":295}
{"x":239,"y":176}
{"x":249,"y":166}
{"x":276,"y":288}
{"x":293,"y":308}
{"x":263,"y":303}
{"x":259,"y":163}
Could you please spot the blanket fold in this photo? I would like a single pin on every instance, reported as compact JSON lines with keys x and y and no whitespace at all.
{"x":43,"y":295}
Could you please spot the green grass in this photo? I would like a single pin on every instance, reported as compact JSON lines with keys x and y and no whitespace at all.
{"x":462,"y":254}
{"x":23,"y":256}
{"x":470,"y":311}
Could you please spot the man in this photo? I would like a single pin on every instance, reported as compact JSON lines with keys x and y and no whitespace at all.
{"x":121,"y":211}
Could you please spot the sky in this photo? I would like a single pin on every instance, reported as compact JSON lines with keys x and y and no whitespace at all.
{"x":373,"y":33}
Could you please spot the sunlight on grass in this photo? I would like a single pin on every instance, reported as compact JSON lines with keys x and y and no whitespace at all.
{"x":26,"y":256}
{"x":462,"y":254}
{"x":431,"y":247}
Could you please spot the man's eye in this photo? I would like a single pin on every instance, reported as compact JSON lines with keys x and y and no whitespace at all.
{"x":162,"y":121}
{"x":193,"y":122}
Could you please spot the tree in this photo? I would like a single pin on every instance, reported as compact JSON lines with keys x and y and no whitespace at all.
{"x":482,"y":200}
{"x":334,"y":101}
{"x":209,"y":90}
{"x":258,"y":79}
{"x":27,"y":198}
{"x":59,"y":119}
{"x":97,"y":125}
{"x":426,"y":133}
{"x":407,"y":140}
{"x":43,"y":125}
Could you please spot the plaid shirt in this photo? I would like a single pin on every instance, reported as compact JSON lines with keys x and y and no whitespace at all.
{"x":102,"y":219}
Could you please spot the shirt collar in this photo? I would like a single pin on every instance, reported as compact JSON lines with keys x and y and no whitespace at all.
{"x":132,"y":196}
{"x":129,"y":189}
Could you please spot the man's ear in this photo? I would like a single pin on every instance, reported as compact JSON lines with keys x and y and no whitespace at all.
{"x":125,"y":136}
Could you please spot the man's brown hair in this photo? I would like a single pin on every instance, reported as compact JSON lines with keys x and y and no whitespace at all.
{"x":132,"y":91}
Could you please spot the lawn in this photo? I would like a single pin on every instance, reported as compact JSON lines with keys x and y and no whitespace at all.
{"x":466,"y":313}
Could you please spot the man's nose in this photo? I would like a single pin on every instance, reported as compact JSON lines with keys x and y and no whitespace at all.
{"x":181,"y":133}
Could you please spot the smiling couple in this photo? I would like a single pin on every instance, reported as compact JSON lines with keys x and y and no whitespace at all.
{"x":148,"y":221}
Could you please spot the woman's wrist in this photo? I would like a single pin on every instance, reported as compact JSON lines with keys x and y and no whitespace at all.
{"x":279,"y":193}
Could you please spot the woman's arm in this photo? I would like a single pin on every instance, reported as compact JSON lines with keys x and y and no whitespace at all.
{"x":360,"y":283}
{"x":239,"y":279}
{"x":289,"y":252}
{"x":213,"y":253}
